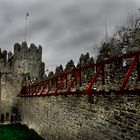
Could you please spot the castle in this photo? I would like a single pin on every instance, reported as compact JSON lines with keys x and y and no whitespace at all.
{"x":25,"y":65}
{"x":71,"y":117}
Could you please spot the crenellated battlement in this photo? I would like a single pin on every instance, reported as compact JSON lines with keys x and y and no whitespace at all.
{"x":3,"y":54}
{"x":6,"y":60}
{"x":24,"y":60}
{"x":22,"y":51}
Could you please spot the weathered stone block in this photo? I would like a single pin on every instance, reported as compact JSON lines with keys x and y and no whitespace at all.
{"x":75,"y":118}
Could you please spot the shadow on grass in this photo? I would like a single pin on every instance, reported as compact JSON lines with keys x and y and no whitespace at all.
{"x":18,"y":132}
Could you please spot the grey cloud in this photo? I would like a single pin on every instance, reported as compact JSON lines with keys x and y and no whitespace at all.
{"x":65,"y":28}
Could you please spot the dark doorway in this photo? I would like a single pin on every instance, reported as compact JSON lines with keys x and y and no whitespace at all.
{"x":7,"y":117}
{"x":2,"y":118}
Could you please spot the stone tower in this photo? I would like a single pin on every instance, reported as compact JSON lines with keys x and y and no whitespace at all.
{"x":15,"y":70}
{"x":28,"y":60}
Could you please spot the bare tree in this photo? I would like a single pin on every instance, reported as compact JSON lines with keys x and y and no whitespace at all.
{"x":126,"y":39}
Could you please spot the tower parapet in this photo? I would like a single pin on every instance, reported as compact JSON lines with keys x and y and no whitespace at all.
{"x":24,"y":52}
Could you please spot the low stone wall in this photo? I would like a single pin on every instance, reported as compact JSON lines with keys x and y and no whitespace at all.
{"x":83,"y":117}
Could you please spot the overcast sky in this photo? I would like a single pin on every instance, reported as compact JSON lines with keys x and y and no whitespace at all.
{"x":64,"y":28}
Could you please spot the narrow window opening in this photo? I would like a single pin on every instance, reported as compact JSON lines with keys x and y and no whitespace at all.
{"x":3,"y":94}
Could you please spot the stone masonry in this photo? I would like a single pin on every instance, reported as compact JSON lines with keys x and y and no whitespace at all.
{"x":71,"y":117}
{"x":17,"y":69}
{"x":83,"y":117}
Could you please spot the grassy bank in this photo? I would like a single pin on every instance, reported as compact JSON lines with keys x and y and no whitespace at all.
{"x":17,"y":132}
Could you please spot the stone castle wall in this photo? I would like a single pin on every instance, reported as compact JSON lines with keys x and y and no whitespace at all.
{"x":8,"y":95}
{"x":16,"y":69}
{"x":83,"y":117}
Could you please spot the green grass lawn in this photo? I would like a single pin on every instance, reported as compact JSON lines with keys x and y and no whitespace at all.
{"x":17,"y":132}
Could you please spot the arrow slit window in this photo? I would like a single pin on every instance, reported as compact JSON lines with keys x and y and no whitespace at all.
{"x":3,"y":94}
